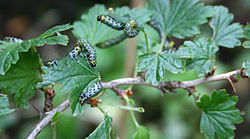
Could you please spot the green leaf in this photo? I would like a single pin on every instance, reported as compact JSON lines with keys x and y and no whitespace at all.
{"x":246,"y":32}
{"x":9,"y":54}
{"x":156,"y":65}
{"x":224,"y":33}
{"x":63,"y":40}
{"x":9,"y":50}
{"x":246,"y":44}
{"x":55,"y":29}
{"x":74,"y":76}
{"x":180,"y":18}
{"x":103,"y":130}
{"x":246,"y":65}
{"x":219,"y":113}
{"x":22,"y":78}
{"x":74,"y":96}
{"x":199,"y":55}
{"x":96,"y":32}
{"x":70,"y":73}
{"x":142,"y":133}
{"x":4,"y":104}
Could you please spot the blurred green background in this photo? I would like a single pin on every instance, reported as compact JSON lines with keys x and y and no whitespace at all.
{"x":170,"y":116}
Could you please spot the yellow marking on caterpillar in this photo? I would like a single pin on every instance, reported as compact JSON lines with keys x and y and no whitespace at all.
{"x":133,"y":23}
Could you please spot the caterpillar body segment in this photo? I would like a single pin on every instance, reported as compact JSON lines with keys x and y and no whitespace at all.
{"x":112,"y":41}
{"x":89,"y":51}
{"x":95,"y":90}
{"x":131,"y":29}
{"x":76,"y":51}
{"x":111,"y":22}
{"x":51,"y":63}
{"x":13,"y":39}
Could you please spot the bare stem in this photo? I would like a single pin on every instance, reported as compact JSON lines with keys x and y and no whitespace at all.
{"x":46,"y":120}
{"x":128,"y":81}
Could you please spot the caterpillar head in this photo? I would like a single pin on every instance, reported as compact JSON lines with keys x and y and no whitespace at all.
{"x":101,"y":18}
{"x":133,"y":23}
{"x":78,"y":48}
{"x":93,"y":63}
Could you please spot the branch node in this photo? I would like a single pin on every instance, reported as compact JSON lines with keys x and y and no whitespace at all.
{"x":211,"y":73}
{"x":243,"y":73}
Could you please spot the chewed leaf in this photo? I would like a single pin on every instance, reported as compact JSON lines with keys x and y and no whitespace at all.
{"x":22,"y":78}
{"x":9,"y":54}
{"x":4,"y":105}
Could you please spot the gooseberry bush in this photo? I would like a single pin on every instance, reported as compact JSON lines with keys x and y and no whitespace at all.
{"x":23,"y":71}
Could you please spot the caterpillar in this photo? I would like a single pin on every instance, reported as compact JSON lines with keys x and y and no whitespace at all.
{"x":75,"y":52}
{"x":156,"y":26}
{"x":131,"y":29}
{"x":89,"y":51}
{"x":13,"y":39}
{"x":51,"y":63}
{"x":111,"y":22}
{"x":95,"y":90}
{"x":112,"y":41}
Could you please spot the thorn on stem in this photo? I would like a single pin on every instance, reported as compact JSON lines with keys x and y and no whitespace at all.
{"x":232,"y":84}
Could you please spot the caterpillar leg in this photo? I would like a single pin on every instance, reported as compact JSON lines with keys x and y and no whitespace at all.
{"x":95,"y":90}
{"x":51,"y":63}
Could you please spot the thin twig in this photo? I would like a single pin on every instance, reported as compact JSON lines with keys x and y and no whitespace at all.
{"x":46,"y":120}
{"x":127,"y":81}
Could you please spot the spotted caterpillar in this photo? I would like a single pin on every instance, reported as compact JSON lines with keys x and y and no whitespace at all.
{"x":51,"y":63}
{"x":81,"y":46}
{"x":129,"y":26}
{"x":89,"y":51}
{"x":111,"y":22}
{"x":12,"y":39}
{"x":112,"y":41}
{"x":95,"y":90}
